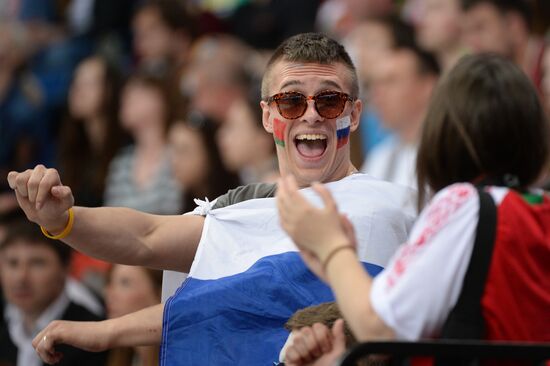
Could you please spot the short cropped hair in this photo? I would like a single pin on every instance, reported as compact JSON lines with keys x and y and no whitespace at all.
{"x":25,"y":230}
{"x":521,"y":6}
{"x":484,"y":121}
{"x":311,"y":48}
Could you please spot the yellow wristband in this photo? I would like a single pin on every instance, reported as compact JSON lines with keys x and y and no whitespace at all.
{"x":65,"y":231}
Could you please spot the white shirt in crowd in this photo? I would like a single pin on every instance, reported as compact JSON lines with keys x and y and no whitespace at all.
{"x":392,"y":161}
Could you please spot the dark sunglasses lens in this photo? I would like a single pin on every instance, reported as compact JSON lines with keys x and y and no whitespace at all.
{"x":292,"y":106}
{"x":330,"y":105}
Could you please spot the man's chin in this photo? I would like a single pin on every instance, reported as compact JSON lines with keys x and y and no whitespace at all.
{"x":305,"y":177}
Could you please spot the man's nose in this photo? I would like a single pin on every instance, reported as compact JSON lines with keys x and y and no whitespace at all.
{"x":311,"y":115}
{"x":20,"y":273}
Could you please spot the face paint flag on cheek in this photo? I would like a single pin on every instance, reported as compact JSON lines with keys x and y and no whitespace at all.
{"x":342,"y":131}
{"x":279,"y":132}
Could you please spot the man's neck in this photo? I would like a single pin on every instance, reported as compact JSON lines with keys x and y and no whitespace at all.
{"x":29,"y":323}
{"x":410,"y":134}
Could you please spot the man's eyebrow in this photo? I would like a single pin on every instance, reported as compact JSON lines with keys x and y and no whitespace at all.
{"x":330,"y":83}
{"x":324,"y":84}
{"x":290,"y":83}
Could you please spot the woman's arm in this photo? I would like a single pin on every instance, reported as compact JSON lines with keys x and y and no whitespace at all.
{"x":142,"y":328}
{"x":327,"y":244}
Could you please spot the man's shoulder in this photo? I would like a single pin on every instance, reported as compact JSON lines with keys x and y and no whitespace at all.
{"x":244,"y":193}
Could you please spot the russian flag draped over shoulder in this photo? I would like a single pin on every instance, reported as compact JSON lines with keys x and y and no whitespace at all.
{"x":247,"y":278}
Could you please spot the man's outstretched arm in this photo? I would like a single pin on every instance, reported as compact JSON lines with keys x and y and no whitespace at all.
{"x":117,"y":235}
{"x":142,"y":328}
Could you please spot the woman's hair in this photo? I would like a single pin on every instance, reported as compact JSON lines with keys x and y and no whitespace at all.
{"x":485,"y":122}
{"x":151,"y":80}
{"x":218,"y":178}
{"x":75,"y":145}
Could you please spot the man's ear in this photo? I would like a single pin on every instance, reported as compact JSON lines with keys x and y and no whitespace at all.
{"x":356,"y":114}
{"x":266,"y":121}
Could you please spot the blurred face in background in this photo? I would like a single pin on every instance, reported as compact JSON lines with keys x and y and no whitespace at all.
{"x":141,"y":106}
{"x":189,"y":157}
{"x":241,"y":139}
{"x":396,"y":89}
{"x":152,"y":37}
{"x":486,"y":29}
{"x":87,"y":89}
{"x":366,"y":43}
{"x":32,"y":276}
{"x":439,"y":26}
{"x":129,"y":289}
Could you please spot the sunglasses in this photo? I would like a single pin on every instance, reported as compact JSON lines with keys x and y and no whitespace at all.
{"x":329,"y":104}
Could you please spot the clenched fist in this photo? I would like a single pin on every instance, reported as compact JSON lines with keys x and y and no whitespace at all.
{"x":42,"y":196}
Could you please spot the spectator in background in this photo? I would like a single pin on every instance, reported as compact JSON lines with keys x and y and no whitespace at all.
{"x":504,"y":27}
{"x":33,"y":273}
{"x":340,"y":17}
{"x":401,"y":89}
{"x":163,"y":31}
{"x":196,"y":161}
{"x":265,"y":24}
{"x":129,"y":289}
{"x":244,"y":145}
{"x":91,"y":134}
{"x":438,"y":30}
{"x":220,"y":71}
{"x":37,"y":56}
{"x":140,"y":176}
{"x":368,"y":42}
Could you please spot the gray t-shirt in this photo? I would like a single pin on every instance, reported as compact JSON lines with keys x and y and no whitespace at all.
{"x":245,"y":193}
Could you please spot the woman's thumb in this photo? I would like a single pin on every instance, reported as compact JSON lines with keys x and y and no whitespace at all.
{"x":339,"y":337}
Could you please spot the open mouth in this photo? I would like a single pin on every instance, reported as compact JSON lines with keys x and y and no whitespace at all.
{"x":311,"y":145}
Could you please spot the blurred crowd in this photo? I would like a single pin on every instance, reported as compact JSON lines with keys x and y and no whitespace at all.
{"x":153,"y":104}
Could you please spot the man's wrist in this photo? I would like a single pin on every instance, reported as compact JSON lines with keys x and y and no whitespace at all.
{"x":57,"y":227}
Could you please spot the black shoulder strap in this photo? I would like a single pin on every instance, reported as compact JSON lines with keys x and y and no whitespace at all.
{"x":466,"y":320}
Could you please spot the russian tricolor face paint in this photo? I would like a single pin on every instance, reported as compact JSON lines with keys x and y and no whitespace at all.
{"x":343,"y":126}
{"x":279,"y":132}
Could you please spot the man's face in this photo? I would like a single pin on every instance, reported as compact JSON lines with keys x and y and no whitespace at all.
{"x":485,"y":29}
{"x":32,"y":276}
{"x":395,"y":89}
{"x":153,"y":40}
{"x":308,"y":147}
{"x":439,"y":27}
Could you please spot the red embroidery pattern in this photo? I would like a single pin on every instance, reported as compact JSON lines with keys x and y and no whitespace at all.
{"x":435,"y":218}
